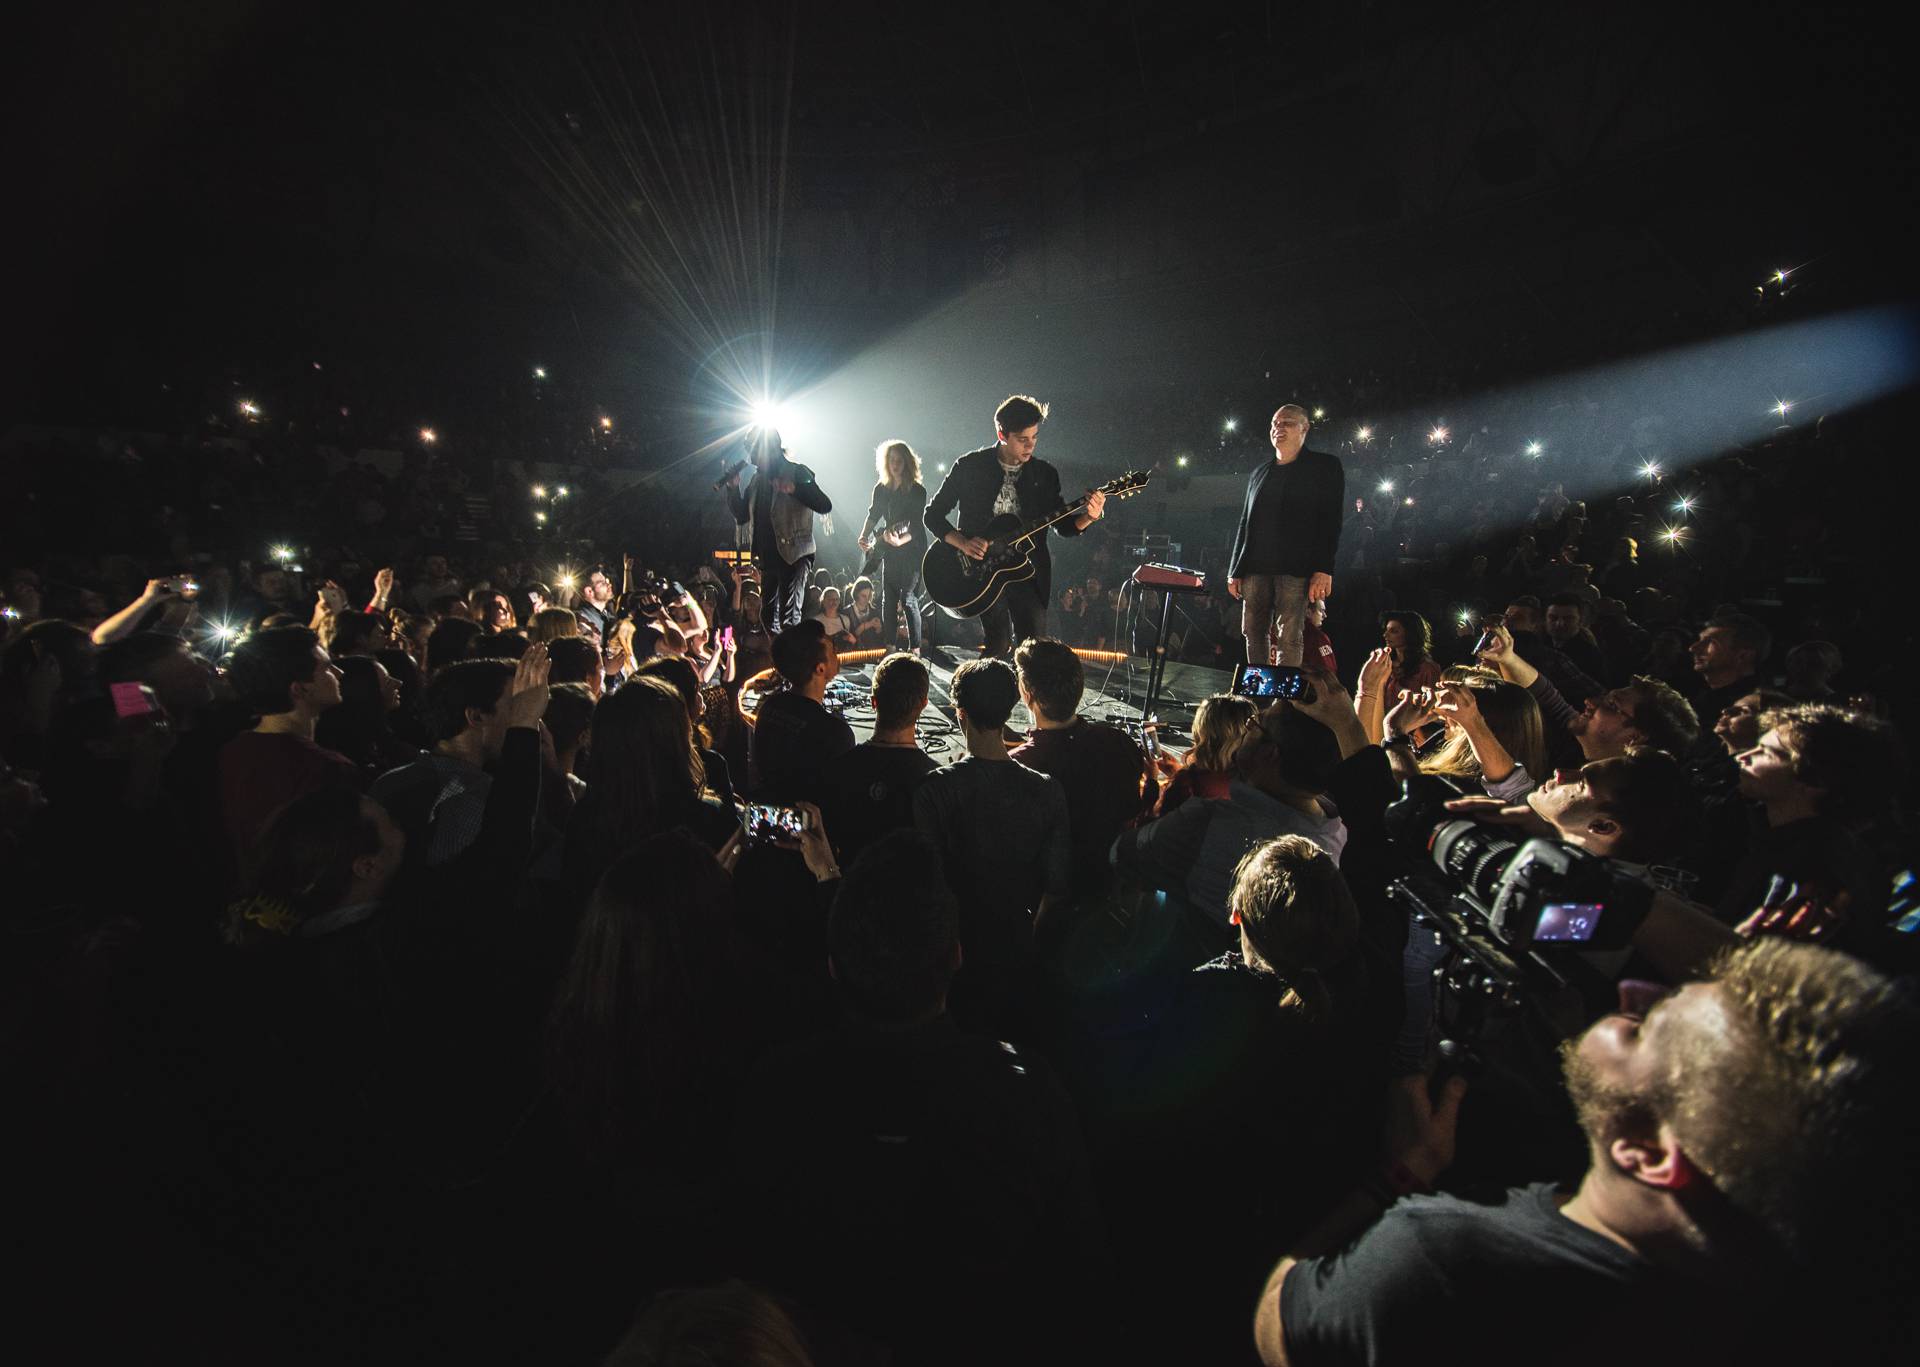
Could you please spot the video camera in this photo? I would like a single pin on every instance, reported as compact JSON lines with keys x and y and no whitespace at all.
{"x":1524,"y":922}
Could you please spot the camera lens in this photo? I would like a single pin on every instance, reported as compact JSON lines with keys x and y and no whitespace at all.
{"x":1474,"y":856}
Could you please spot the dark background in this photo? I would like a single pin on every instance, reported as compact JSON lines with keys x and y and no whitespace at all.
{"x":666,"y":203}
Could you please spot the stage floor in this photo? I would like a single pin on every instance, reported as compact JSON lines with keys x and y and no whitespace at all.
{"x":1115,"y":689}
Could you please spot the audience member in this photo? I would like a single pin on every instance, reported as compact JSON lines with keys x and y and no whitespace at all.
{"x":794,"y":735}
{"x":868,"y":791}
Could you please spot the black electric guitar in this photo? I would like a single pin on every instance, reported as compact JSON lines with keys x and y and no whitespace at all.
{"x":965,"y":587}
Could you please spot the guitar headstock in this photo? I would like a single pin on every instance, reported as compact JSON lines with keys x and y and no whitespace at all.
{"x":1127,"y":485}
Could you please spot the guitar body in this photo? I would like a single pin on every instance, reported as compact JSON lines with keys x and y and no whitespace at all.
{"x":965,"y":587}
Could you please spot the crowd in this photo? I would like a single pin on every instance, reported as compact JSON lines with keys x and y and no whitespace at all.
{"x":435,"y":942}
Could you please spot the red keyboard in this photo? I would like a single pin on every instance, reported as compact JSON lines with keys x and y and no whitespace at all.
{"x":1177,"y":578}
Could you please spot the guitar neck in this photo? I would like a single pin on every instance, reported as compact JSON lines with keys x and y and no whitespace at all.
{"x":1038,"y":527}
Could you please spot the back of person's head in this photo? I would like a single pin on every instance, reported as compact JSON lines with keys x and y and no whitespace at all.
{"x":732,"y":1325}
{"x":1662,"y":715}
{"x":986,"y":690}
{"x":449,"y":607}
{"x":1646,"y":794}
{"x":1853,"y":759}
{"x":552,"y":624}
{"x":799,"y":650}
{"x":633,"y":1021}
{"x":1051,"y":674}
{"x":503,"y":645}
{"x":1813,"y":661}
{"x":353,"y":632}
{"x":1746,"y":632}
{"x":267,"y":665}
{"x":571,"y":659}
{"x":305,"y":865}
{"x":449,"y":640}
{"x":1222,"y":725}
{"x":643,"y":759}
{"x":677,"y":671}
{"x":1018,"y":412}
{"x":1292,"y":751}
{"x":900,"y":687}
{"x":1298,"y":915}
{"x":462,"y":687}
{"x":133,"y":659}
{"x":569,"y":714}
{"x":894,"y":934}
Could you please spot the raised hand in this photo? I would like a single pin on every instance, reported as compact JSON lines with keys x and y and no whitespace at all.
{"x":1413,"y":711}
{"x":1375,"y":672}
{"x":1456,"y":703}
{"x":382,"y":583}
{"x":527,"y":694}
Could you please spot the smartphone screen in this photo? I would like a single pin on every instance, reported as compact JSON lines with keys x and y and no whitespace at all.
{"x":765,"y":821}
{"x":1150,"y":737}
{"x":1269,"y":681}
{"x":132,"y":700}
{"x":1568,"y":922}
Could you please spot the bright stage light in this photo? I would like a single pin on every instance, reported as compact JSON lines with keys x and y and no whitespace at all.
{"x":282,"y":553}
{"x":1650,"y":469}
{"x":1780,"y":277}
{"x":1181,"y":461}
{"x":1534,"y":448}
{"x":1780,"y":407}
{"x":606,"y":424}
{"x":539,"y":372}
{"x":1673,"y":536}
{"x":1319,"y":413}
{"x":250,"y":408}
{"x":561,"y":492}
{"x":540,"y":518}
{"x":1231,"y":425}
{"x":429,"y":436}
{"x":1438,"y":435}
{"x":1363,"y":435}
{"x":1385,"y":486}
{"x":767,"y":413}
{"x":1685,"y":505}
{"x":565,"y":579}
{"x":539,"y":491}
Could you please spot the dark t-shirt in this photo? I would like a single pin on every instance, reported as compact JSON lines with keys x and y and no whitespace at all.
{"x":793,"y":738}
{"x":1293,"y":524}
{"x":1510,"y":1281}
{"x":1108,"y":784}
{"x":1004,"y":843}
{"x":261,"y":772}
{"x":868,"y":792}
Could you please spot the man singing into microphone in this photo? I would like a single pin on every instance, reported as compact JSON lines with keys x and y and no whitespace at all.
{"x":780,"y":503}
{"x":1289,"y":529}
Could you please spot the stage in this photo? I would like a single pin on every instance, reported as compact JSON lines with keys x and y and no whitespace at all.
{"x":1116,"y":685}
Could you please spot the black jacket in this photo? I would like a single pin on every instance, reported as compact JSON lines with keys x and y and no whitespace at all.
{"x":1309,"y":520}
{"x":973,"y":484}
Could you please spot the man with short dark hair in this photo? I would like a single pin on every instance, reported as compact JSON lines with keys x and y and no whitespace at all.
{"x":1289,"y":534}
{"x":1002,"y":832}
{"x":440,"y":799}
{"x":284,"y":675}
{"x":1744,"y":1139}
{"x":1566,"y":623}
{"x":1108,"y":778}
{"x":868,"y":791}
{"x":1727,"y":659}
{"x":1006,"y":480}
{"x":926,"y":1184}
{"x":795,"y":736}
{"x":1634,"y":808}
{"x":575,"y":661}
{"x":1643,"y":711}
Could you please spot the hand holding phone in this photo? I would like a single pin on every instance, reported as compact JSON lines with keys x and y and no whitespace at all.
{"x":766,"y":821}
{"x":1269,"y":681}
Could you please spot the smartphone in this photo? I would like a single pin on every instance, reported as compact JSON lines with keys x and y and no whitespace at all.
{"x":1150,"y":738}
{"x":1568,"y":922}
{"x":132,"y":700}
{"x":765,"y":821}
{"x":1269,"y":681}
{"x":726,"y":636}
{"x":1486,"y":642}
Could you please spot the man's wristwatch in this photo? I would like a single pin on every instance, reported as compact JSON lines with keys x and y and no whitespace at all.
{"x":1396,"y":740}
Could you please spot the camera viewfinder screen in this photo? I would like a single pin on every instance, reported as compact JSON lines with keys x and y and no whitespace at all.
{"x":1269,"y":681}
{"x":1568,"y":922}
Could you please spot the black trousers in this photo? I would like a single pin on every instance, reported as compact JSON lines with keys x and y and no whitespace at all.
{"x":1020,"y":613}
{"x":900,"y":590}
{"x":783,"y":591}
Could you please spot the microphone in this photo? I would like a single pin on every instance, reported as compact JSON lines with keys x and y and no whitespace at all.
{"x":729,"y":473}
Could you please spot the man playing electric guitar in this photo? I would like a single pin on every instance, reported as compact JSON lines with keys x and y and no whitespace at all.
{"x":1005,"y":478}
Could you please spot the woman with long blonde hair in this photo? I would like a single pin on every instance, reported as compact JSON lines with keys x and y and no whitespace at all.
{"x":1221,"y":726}
{"x":1494,"y":734}
{"x":896,"y":526}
